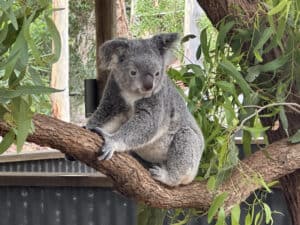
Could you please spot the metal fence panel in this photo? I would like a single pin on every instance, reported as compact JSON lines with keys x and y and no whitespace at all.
{"x":64,"y":206}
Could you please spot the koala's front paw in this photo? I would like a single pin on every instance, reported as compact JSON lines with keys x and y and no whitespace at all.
{"x":158,"y":173}
{"x":107,"y":151}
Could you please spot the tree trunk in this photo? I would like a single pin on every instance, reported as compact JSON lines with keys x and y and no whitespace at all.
{"x":216,"y":11}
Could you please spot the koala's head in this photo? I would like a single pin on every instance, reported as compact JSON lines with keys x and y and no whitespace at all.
{"x":138,"y":66}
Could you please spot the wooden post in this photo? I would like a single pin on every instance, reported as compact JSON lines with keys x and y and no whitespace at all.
{"x":105,"y":14}
{"x":60,"y":70}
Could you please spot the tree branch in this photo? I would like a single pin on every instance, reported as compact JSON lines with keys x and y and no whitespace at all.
{"x":132,"y":180}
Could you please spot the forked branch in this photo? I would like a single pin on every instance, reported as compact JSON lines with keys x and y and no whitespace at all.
{"x":132,"y":180}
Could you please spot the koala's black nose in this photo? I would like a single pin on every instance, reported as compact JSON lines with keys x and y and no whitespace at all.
{"x":148,"y":82}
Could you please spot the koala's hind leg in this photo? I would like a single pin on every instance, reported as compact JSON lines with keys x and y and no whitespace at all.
{"x":182,"y":159}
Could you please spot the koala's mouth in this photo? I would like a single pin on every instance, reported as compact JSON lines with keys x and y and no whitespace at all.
{"x":146,"y":93}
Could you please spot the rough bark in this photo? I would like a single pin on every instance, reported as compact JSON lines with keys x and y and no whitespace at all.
{"x":217,"y":10}
{"x":134,"y":181}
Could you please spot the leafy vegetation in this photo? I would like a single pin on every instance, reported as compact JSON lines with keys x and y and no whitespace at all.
{"x":157,"y":16}
{"x":26,"y":33}
{"x":235,"y":89}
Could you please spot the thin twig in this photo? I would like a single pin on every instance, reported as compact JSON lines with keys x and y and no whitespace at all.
{"x":291,"y":105}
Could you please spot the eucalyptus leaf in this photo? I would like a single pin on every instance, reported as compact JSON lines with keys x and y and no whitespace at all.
{"x":268,"y":213}
{"x":267,"y":33}
{"x":205,"y":44}
{"x":211,"y":183}
{"x":255,"y":71}
{"x":7,"y":141}
{"x":232,"y":71}
{"x":174,"y":74}
{"x":257,"y":218}
{"x":56,"y":40}
{"x":198,"y":53}
{"x":35,"y":76}
{"x":278,"y":8}
{"x":5,"y":5}
{"x":295,"y":138}
{"x":26,"y":90}
{"x":223,"y":31}
{"x":3,"y":32}
{"x":226,"y":87}
{"x":221,"y":217}
{"x":10,"y":65}
{"x":22,"y":115}
{"x":215,"y":205}
{"x":235,"y":215}
{"x":34,"y":50}
{"x":256,"y":131}
{"x":252,"y":73}
{"x":186,"y":38}
{"x":257,"y":55}
{"x":284,"y":120}
{"x":10,"y":14}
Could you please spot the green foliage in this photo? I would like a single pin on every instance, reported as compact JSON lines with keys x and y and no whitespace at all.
{"x":232,"y":83}
{"x":259,"y":212}
{"x":235,"y":215}
{"x":238,"y":85}
{"x":25,"y":56}
{"x":158,"y":16}
{"x":216,"y":206}
{"x":150,"y":216}
{"x":295,"y":138}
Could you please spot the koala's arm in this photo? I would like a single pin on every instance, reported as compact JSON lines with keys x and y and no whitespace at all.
{"x":139,"y":130}
{"x":110,"y":104}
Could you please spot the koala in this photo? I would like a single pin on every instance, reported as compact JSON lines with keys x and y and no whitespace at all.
{"x":141,"y":110}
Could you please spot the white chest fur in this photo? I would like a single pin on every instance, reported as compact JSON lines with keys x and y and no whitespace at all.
{"x":114,"y":124}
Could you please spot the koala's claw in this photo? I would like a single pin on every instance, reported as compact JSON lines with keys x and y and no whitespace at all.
{"x":98,"y":131}
{"x":106,"y":152}
{"x":156,"y":172}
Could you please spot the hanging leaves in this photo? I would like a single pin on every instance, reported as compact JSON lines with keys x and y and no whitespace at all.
{"x":21,"y":85}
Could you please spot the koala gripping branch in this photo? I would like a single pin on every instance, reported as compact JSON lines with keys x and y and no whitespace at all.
{"x":132,"y":180}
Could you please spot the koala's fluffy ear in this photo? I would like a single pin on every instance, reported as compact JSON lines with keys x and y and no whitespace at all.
{"x":165,"y":42}
{"x":111,"y":51}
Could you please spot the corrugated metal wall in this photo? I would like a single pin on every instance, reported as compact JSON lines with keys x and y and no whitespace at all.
{"x":49,"y":165}
{"x":64,"y":206}
{"x":27,"y":205}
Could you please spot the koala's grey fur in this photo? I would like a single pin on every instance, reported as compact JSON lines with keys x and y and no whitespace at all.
{"x":142,"y":111}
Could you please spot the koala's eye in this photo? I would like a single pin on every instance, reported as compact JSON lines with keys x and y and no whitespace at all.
{"x":156,"y":74}
{"x":132,"y":73}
